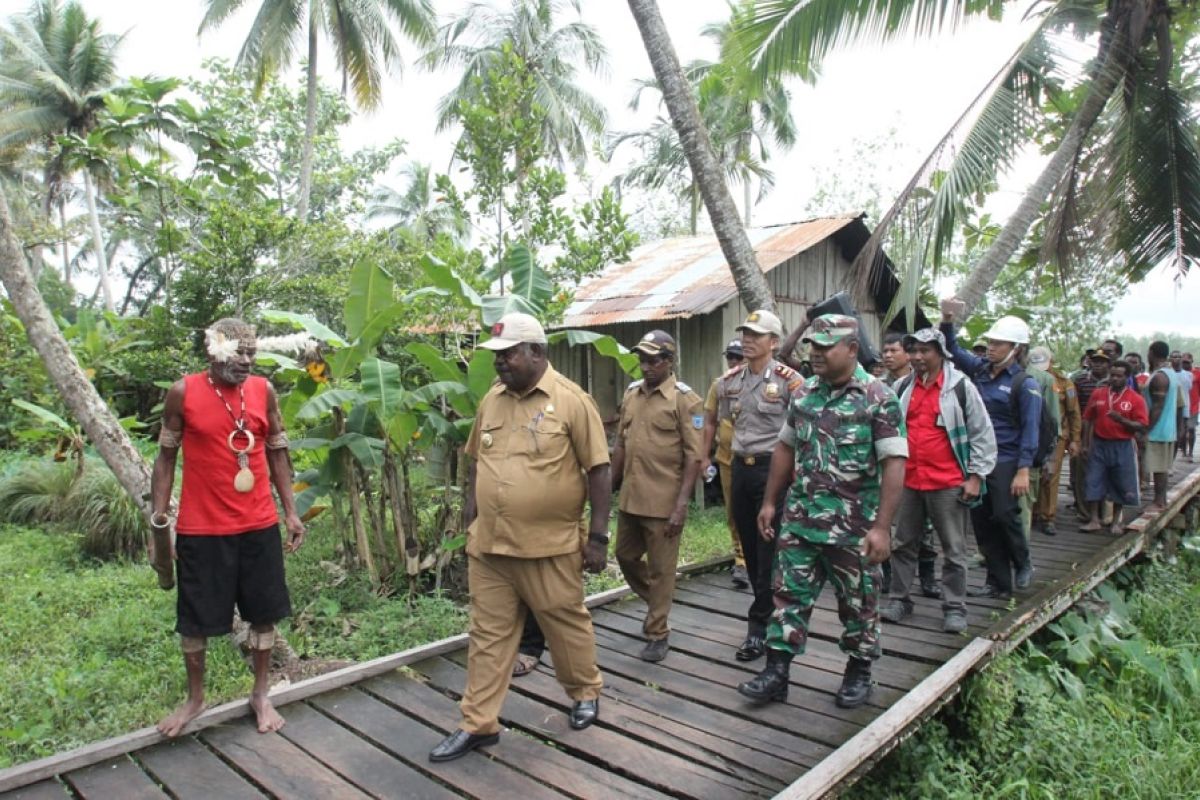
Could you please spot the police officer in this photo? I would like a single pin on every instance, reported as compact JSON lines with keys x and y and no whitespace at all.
{"x":754,"y":395}
{"x":656,"y":460}
{"x":538,"y":451}
{"x":845,"y":445}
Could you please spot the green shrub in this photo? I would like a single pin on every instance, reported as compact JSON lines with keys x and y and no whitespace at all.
{"x":99,"y":508}
{"x":33,"y":491}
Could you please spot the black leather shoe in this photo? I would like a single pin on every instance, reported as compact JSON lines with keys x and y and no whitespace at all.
{"x":987,"y":590}
{"x":772,"y":682}
{"x":1024,"y":577}
{"x":931,"y":589}
{"x":459,"y":743}
{"x":751,"y":649}
{"x":856,"y":684}
{"x":584,"y":713}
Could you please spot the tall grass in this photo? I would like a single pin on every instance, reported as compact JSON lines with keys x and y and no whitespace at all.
{"x":42,"y":492}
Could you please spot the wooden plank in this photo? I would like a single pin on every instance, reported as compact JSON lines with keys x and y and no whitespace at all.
{"x":806,"y":675}
{"x":43,"y":790}
{"x":630,"y":757}
{"x":119,"y":777}
{"x":892,"y":671}
{"x":475,"y":775}
{"x":524,"y":753}
{"x":358,"y":761}
{"x":876,"y":739}
{"x":187,"y":769}
{"x":276,"y":764}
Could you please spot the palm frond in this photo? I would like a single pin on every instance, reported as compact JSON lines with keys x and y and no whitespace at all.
{"x":217,"y":12}
{"x":782,"y":37}
{"x":270,"y":44}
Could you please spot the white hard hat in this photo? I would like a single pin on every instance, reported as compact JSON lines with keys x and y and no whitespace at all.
{"x":1009,"y":329}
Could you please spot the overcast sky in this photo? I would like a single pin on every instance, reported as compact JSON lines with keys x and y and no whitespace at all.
{"x":915,"y":89}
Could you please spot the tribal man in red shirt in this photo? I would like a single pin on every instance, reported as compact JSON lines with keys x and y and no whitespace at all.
{"x":227,"y":549}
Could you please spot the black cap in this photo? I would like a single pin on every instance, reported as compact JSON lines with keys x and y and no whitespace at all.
{"x":734,"y":348}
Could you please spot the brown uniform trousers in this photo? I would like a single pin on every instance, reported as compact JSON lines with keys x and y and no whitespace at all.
{"x":1071,"y":425}
{"x":724,"y":461}
{"x":659,"y":433}
{"x":532,"y":453}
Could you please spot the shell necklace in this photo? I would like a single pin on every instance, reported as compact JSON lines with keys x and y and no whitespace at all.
{"x":244,"y":480}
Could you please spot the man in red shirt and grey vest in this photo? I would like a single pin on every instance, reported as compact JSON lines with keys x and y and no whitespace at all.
{"x":227,"y":548}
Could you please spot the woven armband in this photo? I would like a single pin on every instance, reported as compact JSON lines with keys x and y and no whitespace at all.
{"x":170,"y":438}
{"x":278,"y":441}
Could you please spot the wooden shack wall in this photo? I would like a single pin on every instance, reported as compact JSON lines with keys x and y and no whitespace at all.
{"x":801,"y":281}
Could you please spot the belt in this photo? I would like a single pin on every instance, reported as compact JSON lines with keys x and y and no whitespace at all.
{"x":752,"y":459}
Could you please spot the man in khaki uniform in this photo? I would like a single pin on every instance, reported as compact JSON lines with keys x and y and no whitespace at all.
{"x":1071,"y":428}
{"x":538,"y":452}
{"x":755,"y":396}
{"x":656,"y":459}
{"x":722,"y":434}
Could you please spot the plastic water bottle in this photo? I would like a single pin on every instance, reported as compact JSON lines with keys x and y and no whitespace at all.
{"x":710,"y":473}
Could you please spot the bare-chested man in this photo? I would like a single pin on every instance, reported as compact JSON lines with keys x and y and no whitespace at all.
{"x":227,"y":550}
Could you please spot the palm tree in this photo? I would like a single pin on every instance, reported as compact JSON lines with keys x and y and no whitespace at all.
{"x":417,"y":209}
{"x":363,"y":42}
{"x":55,"y":68}
{"x":475,"y":41}
{"x":697,"y":147}
{"x":740,"y":119}
{"x":1146,"y":179}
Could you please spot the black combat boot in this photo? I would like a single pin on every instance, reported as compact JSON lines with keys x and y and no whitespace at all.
{"x":856,"y":684}
{"x":927,"y":570}
{"x":772,"y":682}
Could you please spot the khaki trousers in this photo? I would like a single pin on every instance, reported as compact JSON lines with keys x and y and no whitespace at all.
{"x":1047,"y":504}
{"x":502,"y":588}
{"x":726,"y":472}
{"x":651,"y":578}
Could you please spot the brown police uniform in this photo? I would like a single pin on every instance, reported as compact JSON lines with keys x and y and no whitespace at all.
{"x":757,"y":405}
{"x":532,"y":453}
{"x":724,"y":460}
{"x":660,"y":430}
{"x":1072,"y":423}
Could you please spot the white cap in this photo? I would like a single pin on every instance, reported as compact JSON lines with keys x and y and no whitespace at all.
{"x":1009,"y":329}
{"x":762,"y":321}
{"x":514,"y":329}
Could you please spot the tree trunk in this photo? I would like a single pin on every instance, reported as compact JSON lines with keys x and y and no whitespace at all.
{"x":310,"y":123}
{"x":66,"y":257}
{"x":98,"y":243}
{"x":685,"y":116}
{"x":744,"y":146}
{"x":80,"y":396}
{"x":1102,"y":85}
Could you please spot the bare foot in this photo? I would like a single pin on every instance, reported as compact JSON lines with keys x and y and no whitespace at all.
{"x":1117,"y":528}
{"x":173,"y":725}
{"x":269,"y":719}
{"x":1090,"y":527}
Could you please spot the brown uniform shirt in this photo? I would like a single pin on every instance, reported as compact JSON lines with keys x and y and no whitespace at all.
{"x":724,"y":454}
{"x":532,"y":454}
{"x":662,"y":431}
{"x":757,"y":404}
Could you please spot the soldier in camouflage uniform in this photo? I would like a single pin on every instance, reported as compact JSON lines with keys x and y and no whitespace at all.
{"x":754,"y":396}
{"x":844,"y":439}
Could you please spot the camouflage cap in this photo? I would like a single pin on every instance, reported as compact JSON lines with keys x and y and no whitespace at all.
{"x":1040,"y":357}
{"x":762,"y":321}
{"x":656,"y":343}
{"x":926,"y":336}
{"x":829,"y":329}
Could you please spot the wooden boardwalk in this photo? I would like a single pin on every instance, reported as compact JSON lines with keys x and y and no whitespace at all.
{"x":676,"y":729}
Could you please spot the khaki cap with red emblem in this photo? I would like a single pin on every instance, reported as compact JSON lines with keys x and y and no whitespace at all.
{"x":514,"y":329}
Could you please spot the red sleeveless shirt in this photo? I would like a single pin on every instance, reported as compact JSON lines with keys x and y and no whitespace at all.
{"x":209,"y":505}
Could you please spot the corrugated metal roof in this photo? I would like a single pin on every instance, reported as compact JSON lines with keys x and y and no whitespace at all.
{"x":684,"y":276}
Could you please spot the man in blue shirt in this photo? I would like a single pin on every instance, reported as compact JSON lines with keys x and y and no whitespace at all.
{"x":997,"y":521}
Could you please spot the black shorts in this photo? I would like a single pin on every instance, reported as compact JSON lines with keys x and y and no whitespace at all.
{"x":215,"y":573}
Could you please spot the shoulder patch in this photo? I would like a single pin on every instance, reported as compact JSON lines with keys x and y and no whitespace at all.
{"x":635,"y":385}
{"x":698,"y":421}
{"x":785,"y":371}
{"x":683,"y":387}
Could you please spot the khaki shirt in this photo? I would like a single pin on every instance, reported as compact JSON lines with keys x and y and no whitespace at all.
{"x":724,"y":437}
{"x":532,"y":454}
{"x":662,"y":432}
{"x":757,"y":404}
{"x":1070,"y":417}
